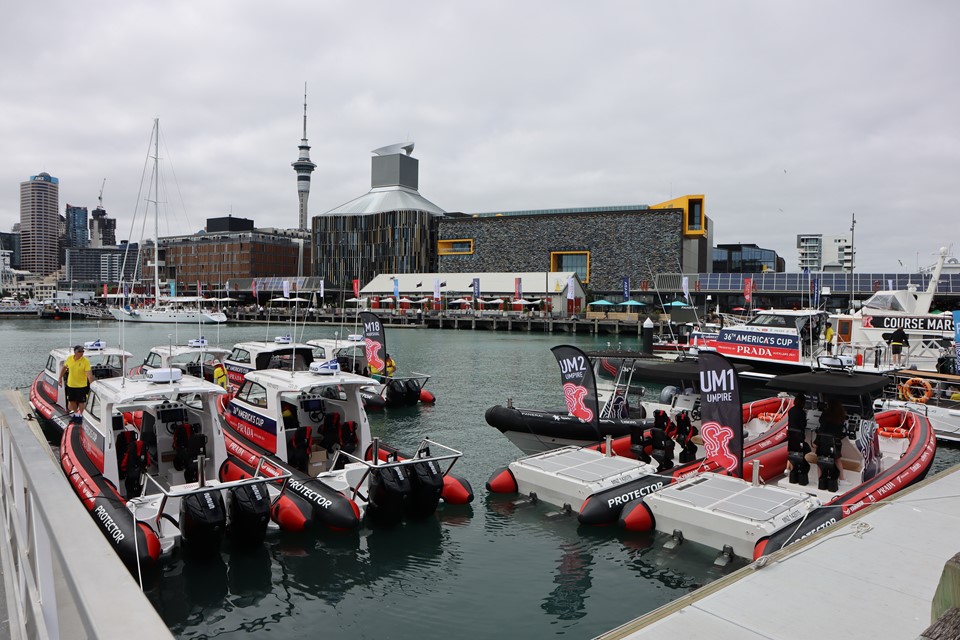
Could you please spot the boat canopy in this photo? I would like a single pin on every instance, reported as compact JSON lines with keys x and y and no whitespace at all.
{"x":676,"y":370}
{"x":839,"y":383}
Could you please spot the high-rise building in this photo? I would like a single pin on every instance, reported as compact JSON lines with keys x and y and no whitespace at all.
{"x":304,"y":168}
{"x":817,"y":252}
{"x":40,"y":224}
{"x":77,"y":235}
{"x":103,"y":230}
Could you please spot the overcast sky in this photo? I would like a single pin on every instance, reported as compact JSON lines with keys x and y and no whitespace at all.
{"x":788,"y":116}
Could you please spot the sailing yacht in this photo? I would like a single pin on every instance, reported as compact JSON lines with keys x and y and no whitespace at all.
{"x":165,"y":309}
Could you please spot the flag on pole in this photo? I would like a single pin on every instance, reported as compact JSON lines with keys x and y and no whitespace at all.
{"x":436,"y":288}
{"x":685,"y":283}
{"x":518,"y":288}
{"x":748,"y":290}
{"x":199,"y":289}
{"x":356,"y":288}
{"x":253,"y":288}
{"x":126,"y":292}
{"x":626,"y":288}
{"x":104,"y":290}
{"x":173,"y":289}
{"x":286,"y":288}
{"x":579,"y":384}
{"x":476,"y":287}
{"x":721,"y":412}
{"x":321,"y":288}
{"x":396,"y":287}
{"x":570,"y":295}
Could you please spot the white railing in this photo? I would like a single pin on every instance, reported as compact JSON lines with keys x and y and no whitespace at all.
{"x":61,"y":576}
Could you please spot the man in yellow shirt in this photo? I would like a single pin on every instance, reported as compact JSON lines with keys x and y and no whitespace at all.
{"x":75,"y":372}
{"x":828,"y":337}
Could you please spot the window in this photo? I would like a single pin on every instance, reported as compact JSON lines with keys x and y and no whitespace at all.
{"x":463,"y":246}
{"x":253,"y":393}
{"x":154,"y":360}
{"x":578,"y":261}
{"x":240,"y":355}
{"x":93,"y":406}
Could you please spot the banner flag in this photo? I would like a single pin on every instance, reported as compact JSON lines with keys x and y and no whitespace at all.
{"x":436,"y":288}
{"x":748,"y":290}
{"x":517,"y":288}
{"x":356,"y":288}
{"x":816,"y":292}
{"x":476,"y":288}
{"x":321,"y":289}
{"x":396,"y":288}
{"x":721,"y":412}
{"x":579,"y":385}
{"x":253,"y":288}
{"x":126,"y":291}
{"x":173,"y":289}
{"x":286,"y":288}
{"x":104,"y":290}
{"x":375,"y":342}
{"x":570,"y":295}
{"x":956,"y":336}
{"x":227,"y":288}
{"x":685,"y":283}
{"x":199,"y":289}
{"x":626,"y":288}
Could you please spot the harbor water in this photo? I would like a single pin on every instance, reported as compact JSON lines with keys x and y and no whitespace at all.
{"x":494,"y":567}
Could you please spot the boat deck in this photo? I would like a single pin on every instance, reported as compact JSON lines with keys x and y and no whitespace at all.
{"x":579,"y":464}
{"x":566,"y":477}
{"x":870,"y":576}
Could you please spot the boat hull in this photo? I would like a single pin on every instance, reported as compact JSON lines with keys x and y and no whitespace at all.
{"x":137,"y":546}
{"x":169,"y":317}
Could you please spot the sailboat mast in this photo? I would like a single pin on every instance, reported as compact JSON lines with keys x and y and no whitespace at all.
{"x":156,"y":212}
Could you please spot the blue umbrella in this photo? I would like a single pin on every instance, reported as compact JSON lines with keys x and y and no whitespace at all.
{"x":632,"y":303}
{"x":676,"y":303}
{"x":601,"y":302}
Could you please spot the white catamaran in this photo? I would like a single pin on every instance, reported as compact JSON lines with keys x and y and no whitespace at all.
{"x":165,"y":309}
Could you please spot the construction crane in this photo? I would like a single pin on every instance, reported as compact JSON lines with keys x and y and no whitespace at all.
{"x":100,"y":197}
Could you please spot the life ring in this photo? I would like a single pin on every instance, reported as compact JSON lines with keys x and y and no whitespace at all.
{"x":893,"y":432}
{"x":911,"y":390}
{"x":770,"y":417}
{"x":220,"y":375}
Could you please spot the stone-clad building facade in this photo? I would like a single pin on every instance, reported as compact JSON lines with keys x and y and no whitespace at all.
{"x":602,"y":244}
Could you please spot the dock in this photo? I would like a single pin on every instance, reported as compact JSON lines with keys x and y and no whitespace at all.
{"x":873,"y":575}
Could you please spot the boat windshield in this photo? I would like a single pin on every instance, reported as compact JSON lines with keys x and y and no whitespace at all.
{"x":771,"y":320}
{"x":884,"y":302}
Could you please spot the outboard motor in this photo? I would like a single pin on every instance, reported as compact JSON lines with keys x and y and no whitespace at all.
{"x":662,"y":449}
{"x":412,"y":392}
{"x":249,"y":513}
{"x":203,"y":520}
{"x":684,"y":438}
{"x":668,"y":393}
{"x":426,"y":483}
{"x":396,"y":392}
{"x":389,"y":488}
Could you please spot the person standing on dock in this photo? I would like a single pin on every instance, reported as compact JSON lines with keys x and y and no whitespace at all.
{"x":828,"y":338}
{"x":76,"y":377}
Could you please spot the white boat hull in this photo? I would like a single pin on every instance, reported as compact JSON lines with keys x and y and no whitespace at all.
{"x":169,"y":317}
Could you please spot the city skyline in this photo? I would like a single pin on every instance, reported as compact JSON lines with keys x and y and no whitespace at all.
{"x":784,"y":121}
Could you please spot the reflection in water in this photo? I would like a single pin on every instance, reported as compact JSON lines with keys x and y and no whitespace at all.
{"x":566,"y":602}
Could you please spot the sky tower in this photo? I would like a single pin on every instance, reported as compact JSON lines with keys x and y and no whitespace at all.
{"x":303,"y":167}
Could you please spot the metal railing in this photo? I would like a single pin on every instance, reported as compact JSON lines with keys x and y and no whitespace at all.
{"x":62,"y":578}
